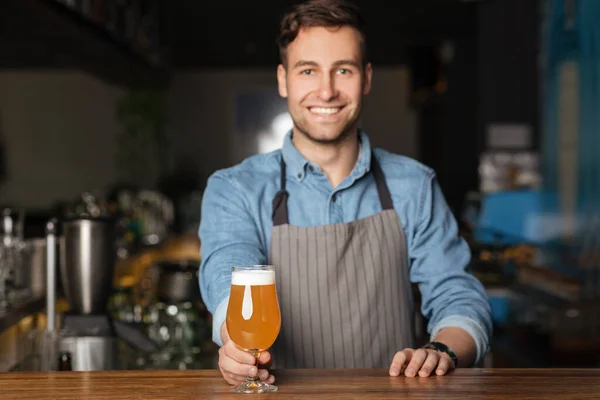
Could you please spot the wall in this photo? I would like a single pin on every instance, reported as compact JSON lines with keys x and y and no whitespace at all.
{"x":59,"y":132}
{"x":202,"y":117}
{"x":59,"y":127}
{"x":203,"y":113}
{"x":387,"y":115}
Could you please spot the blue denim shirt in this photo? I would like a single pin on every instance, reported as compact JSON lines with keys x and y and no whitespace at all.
{"x":236,"y":222}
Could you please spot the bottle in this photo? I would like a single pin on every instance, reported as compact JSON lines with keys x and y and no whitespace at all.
{"x":64,"y":361}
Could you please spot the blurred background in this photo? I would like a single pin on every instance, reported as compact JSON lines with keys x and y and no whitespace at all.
{"x":113,"y":113}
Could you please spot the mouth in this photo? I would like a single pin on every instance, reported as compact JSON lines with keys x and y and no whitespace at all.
{"x":325,"y":111}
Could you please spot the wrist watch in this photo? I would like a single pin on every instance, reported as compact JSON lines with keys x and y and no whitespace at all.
{"x":444,"y":349}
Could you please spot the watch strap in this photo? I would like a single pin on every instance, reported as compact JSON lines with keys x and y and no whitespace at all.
{"x":444,"y":349}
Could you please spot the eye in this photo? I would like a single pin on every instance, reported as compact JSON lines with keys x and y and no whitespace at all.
{"x":344,"y":71}
{"x":306,"y":72}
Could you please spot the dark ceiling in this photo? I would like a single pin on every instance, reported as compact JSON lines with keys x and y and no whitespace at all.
{"x":210,"y":34}
{"x":243,"y":32}
{"x":224,"y":33}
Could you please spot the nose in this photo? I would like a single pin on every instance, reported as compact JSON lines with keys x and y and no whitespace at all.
{"x":327,"y":90}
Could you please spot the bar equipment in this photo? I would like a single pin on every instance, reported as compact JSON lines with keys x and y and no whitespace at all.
{"x":87,"y":262}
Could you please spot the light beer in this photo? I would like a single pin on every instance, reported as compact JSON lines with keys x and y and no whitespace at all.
{"x":253,"y":317}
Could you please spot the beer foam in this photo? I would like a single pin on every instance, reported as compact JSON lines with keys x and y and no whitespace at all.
{"x":253,"y":278}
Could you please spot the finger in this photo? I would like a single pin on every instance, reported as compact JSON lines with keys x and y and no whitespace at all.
{"x":430,"y":363}
{"x":238,"y":355}
{"x":444,"y":366}
{"x":231,"y":378}
{"x":263,"y":374}
{"x":416,"y":362}
{"x":265,"y":357}
{"x":398,"y":361}
{"x":230,"y":365}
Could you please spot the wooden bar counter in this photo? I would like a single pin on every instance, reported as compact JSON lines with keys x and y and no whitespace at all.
{"x":462,"y":384}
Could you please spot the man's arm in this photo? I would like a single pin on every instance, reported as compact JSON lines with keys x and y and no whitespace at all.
{"x":461,"y":343}
{"x":453,"y":300}
{"x":228,"y":237}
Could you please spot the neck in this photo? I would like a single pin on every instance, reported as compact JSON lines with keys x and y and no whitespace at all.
{"x":336,"y":160}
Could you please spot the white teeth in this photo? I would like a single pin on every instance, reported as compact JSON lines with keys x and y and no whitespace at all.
{"x":324,"y":111}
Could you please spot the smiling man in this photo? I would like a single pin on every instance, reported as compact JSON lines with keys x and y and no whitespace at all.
{"x":348,"y":227}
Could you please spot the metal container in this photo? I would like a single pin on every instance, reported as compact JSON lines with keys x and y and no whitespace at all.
{"x":91,"y":353}
{"x":178,"y":282}
{"x":87,"y":254}
{"x":16,"y":252}
{"x":37,"y":278}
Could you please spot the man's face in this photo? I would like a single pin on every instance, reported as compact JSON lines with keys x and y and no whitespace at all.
{"x":324,"y":82}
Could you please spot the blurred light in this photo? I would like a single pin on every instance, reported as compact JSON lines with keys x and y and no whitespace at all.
{"x":172,"y":310}
{"x":152,"y":239}
{"x":282,"y":124}
{"x":272,"y":140}
{"x":447,"y":51}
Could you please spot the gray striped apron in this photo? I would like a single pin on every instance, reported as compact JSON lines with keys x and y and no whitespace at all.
{"x":344,"y":289}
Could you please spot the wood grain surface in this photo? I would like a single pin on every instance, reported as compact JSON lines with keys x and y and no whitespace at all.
{"x":462,"y":384}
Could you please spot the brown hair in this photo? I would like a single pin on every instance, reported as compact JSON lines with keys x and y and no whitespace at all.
{"x":321,"y":13}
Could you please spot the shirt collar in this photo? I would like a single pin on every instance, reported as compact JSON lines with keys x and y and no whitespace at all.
{"x":296,"y":163}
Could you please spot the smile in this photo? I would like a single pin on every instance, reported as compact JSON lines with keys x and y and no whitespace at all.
{"x":325,"y":110}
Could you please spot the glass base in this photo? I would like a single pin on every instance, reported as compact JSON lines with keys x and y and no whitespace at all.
{"x":251,"y":386}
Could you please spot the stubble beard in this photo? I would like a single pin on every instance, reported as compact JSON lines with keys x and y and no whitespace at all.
{"x":348,"y":130}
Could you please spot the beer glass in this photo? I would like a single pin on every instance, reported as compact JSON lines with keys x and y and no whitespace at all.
{"x":253,"y":317}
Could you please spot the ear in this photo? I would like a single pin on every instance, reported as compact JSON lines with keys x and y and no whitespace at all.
{"x":281,"y":81}
{"x":367,"y":78}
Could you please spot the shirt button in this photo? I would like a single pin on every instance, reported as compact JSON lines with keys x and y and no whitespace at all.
{"x":311,"y":168}
{"x":299,"y":175}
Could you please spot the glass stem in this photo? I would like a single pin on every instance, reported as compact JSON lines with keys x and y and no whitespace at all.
{"x":256,"y":378}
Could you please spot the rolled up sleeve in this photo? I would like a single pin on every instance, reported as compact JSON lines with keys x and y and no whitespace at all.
{"x":228,"y":237}
{"x":451,"y":295}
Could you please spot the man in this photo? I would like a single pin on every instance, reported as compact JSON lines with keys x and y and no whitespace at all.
{"x":347,"y":227}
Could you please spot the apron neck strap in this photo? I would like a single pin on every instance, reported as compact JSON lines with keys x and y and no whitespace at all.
{"x":385,"y":198}
{"x":280,"y":213}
